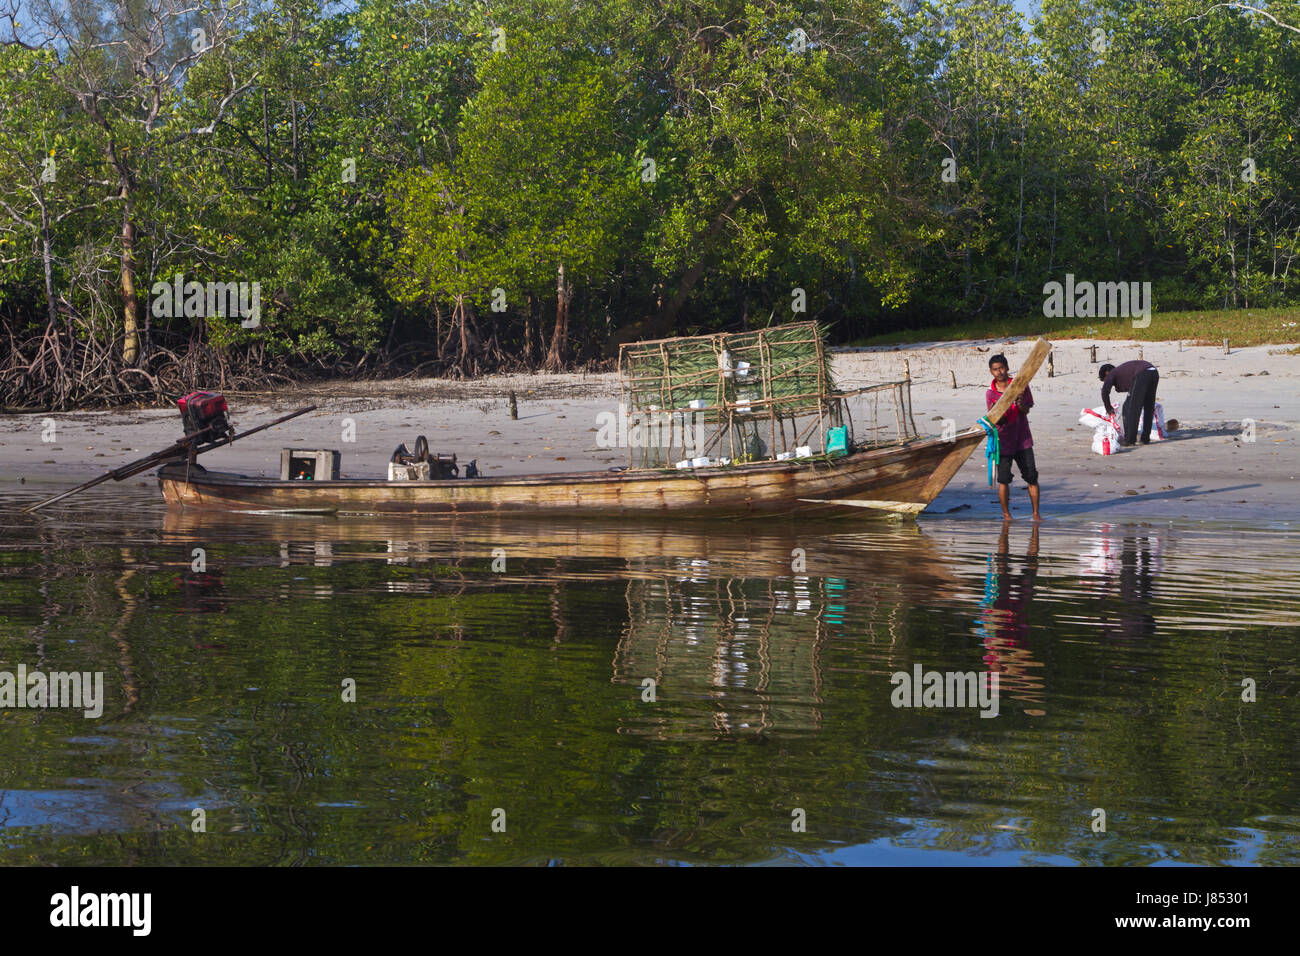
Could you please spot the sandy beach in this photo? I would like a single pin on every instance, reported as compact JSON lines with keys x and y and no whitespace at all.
{"x":1205,"y":472}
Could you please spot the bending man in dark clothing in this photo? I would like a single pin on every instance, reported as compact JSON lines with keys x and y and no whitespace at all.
{"x":1139,"y":379}
{"x":1014,"y":440}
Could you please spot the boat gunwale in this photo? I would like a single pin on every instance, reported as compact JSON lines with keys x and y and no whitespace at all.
{"x":172,"y":471}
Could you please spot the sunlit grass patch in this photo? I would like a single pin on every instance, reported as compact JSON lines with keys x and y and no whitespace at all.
{"x":1240,"y":326}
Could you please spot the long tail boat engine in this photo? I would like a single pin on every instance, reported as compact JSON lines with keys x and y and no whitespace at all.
{"x":205,"y":412}
{"x":420,"y":465}
{"x":207,"y":426}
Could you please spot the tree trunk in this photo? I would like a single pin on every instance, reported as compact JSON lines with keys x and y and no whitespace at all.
{"x":1020,"y":212}
{"x":437,"y":329}
{"x":464,"y":335}
{"x":1051,"y":249}
{"x":470,"y":345}
{"x":130,"y":302}
{"x":47,"y":261}
{"x":563,"y":293}
{"x":266,"y":137}
{"x":528,"y":334}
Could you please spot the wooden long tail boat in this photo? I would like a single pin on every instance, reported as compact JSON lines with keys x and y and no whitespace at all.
{"x":902,"y":478}
{"x":905,"y":478}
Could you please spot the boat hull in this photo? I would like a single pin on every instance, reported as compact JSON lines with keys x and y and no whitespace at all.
{"x":902,"y":479}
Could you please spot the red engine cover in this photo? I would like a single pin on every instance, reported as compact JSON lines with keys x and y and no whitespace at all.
{"x":203,"y":406}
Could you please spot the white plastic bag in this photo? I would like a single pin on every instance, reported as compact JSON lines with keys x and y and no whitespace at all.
{"x":1109,"y":429}
{"x":1105,"y":430}
{"x":1105,"y":440}
{"x":1157,"y":427}
{"x":1096,"y":417}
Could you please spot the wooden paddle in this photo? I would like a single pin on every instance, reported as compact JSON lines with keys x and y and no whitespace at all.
{"x":1018,"y":384}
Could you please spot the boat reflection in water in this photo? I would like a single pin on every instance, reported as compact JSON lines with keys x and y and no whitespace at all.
{"x":751,"y":647}
{"x":725,"y":625}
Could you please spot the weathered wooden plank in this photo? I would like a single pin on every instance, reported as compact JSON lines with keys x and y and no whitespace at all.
{"x":1021,"y":381}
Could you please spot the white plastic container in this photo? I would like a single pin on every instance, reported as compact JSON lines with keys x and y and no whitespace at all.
{"x":701,"y":462}
{"x":803,"y":451}
{"x":419,"y":471}
{"x":699,"y":403}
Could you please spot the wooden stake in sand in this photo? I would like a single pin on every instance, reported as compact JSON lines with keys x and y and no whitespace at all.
{"x":514,"y":406}
{"x":1093,"y":348}
{"x":1051,"y":365}
{"x":1225,"y":347}
{"x":954,"y":377}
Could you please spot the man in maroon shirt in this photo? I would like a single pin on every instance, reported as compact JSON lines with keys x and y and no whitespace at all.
{"x":1015,"y":443}
{"x":1139,"y":379}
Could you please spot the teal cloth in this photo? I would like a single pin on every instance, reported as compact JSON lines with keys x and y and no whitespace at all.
{"x":991,"y":447}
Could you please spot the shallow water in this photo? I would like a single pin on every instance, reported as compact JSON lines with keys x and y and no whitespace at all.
{"x":518,"y":695}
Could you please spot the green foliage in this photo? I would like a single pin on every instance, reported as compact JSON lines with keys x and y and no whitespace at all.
{"x":441,"y":246}
{"x":548,"y":173}
{"x":666,"y":167}
{"x":47,"y":202}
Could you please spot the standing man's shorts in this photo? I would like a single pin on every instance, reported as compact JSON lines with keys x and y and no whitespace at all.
{"x":1024,"y":460}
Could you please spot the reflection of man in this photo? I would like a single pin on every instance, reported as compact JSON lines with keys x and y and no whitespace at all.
{"x":1135,"y":588}
{"x":1004,"y":623}
{"x":1015,"y":443}
{"x":1007,"y":597}
{"x":1139,"y":379}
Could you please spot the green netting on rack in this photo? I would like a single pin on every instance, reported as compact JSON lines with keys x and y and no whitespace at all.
{"x":779,"y":371}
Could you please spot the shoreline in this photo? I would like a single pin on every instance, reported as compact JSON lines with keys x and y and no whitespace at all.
{"x":1205,"y":471}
